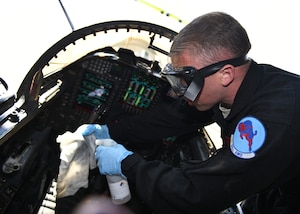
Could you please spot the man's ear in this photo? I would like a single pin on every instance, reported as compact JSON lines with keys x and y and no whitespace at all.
{"x":228,"y":73}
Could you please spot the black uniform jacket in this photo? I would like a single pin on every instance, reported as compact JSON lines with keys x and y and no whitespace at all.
{"x":268,"y":95}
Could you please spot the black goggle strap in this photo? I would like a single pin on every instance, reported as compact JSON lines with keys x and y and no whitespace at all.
{"x":206,"y":71}
{"x":196,"y":85}
{"x":211,"y":69}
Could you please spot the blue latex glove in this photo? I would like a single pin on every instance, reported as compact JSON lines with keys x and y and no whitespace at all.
{"x":99,"y":131}
{"x":109,"y":158}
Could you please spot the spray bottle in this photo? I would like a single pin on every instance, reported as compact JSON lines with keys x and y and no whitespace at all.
{"x":118,"y":185}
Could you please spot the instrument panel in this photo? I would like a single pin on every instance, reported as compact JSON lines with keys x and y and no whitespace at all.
{"x":120,"y":87}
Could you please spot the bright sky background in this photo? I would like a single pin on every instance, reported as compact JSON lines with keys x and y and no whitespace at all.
{"x":30,"y":27}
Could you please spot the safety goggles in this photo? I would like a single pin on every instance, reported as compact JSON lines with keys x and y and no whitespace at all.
{"x":187,"y":81}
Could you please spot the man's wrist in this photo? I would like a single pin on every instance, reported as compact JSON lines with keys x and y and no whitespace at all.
{"x":129,"y":165}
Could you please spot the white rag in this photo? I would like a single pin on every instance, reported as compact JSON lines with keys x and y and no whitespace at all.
{"x":77,"y":158}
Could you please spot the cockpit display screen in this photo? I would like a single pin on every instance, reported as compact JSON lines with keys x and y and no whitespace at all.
{"x":92,"y":92}
{"x":141,"y":91}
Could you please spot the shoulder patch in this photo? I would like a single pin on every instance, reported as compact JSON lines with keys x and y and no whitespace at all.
{"x":248,"y":137}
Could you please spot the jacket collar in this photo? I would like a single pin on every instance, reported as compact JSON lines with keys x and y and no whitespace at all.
{"x":247,"y":89}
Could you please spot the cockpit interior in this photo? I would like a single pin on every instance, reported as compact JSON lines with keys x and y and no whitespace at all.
{"x":93,"y":75}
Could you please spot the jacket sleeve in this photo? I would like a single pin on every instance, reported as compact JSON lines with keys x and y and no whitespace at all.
{"x":217,"y":183}
{"x":165,"y":120}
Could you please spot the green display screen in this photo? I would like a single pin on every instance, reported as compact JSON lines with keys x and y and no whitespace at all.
{"x":93,"y":91}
